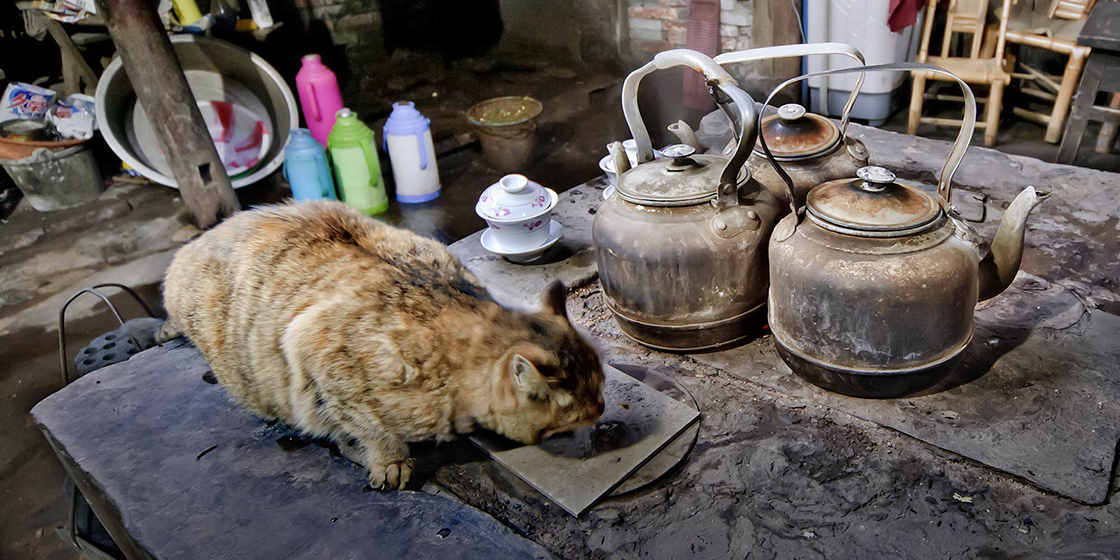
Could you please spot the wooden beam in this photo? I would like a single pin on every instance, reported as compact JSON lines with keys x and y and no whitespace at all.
{"x":1043,"y":79}
{"x":776,"y":22}
{"x":163,"y":91}
{"x":951,"y":122}
{"x":957,"y":98}
{"x":70,"y":51}
{"x":1033,"y":116}
{"x":1035,"y":92}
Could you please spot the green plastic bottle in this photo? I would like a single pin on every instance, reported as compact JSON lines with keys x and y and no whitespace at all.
{"x":357,"y":172}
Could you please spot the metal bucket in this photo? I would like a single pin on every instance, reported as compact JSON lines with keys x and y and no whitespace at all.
{"x":213,"y":69}
{"x":507,"y":130}
{"x":57,"y":180}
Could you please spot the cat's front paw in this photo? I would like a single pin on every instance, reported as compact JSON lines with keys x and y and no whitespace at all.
{"x":391,"y":475}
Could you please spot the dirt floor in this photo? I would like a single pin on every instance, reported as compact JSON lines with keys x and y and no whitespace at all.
{"x":791,"y":478}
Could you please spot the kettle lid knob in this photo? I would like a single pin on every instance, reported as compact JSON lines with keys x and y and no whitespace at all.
{"x":875,"y":178}
{"x":677,"y":151}
{"x":791,"y":112}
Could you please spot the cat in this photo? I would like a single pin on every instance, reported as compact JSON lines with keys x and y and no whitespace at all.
{"x":343,"y":326}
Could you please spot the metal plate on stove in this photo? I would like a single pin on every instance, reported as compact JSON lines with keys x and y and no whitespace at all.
{"x":579,"y":469}
{"x":678,"y":449}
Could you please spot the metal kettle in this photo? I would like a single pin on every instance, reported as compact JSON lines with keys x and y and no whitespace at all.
{"x":681,"y":245}
{"x":811,"y":147}
{"x":873,"y":281}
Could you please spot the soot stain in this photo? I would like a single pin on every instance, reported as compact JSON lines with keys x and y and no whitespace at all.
{"x":292,"y":443}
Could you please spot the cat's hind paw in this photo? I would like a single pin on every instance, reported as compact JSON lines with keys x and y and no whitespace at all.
{"x":391,"y":475}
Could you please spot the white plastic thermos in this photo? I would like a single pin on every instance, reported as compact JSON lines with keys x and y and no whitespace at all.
{"x":408,"y":138}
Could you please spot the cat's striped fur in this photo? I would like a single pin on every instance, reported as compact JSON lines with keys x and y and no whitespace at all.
{"x":343,"y":326}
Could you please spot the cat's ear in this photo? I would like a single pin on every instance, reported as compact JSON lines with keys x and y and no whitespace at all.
{"x":521,"y":376}
{"x":526,"y":377}
{"x":554,"y":300}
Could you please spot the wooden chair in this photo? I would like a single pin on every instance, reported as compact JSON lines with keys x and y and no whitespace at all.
{"x":1101,"y":77}
{"x":1054,"y":28}
{"x":981,"y":67}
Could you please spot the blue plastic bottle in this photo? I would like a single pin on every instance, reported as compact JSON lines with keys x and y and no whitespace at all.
{"x":306,"y":169}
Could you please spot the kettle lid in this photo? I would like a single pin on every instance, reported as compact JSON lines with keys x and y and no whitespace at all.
{"x":794,"y":133}
{"x":872,"y":205}
{"x":681,"y":178}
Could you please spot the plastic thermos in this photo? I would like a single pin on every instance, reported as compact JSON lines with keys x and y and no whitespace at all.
{"x":318,"y":96}
{"x":306,"y":169}
{"x":186,"y":11}
{"x":408,"y":138}
{"x":357,"y":172}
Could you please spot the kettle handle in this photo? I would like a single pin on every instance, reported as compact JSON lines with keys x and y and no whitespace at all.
{"x":964,"y":137}
{"x":791,"y":51}
{"x":716,"y":77}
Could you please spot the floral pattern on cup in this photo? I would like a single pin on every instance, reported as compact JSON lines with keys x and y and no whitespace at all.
{"x":541,"y":201}
{"x":533,"y":225}
{"x":500,"y":211}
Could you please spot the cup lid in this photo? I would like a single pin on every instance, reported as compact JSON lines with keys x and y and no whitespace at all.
{"x":513,"y":198}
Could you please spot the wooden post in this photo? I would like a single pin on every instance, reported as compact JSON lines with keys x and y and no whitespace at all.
{"x":74,"y":65}
{"x":776,"y":22}
{"x":162,"y":89}
{"x":1065,"y":94}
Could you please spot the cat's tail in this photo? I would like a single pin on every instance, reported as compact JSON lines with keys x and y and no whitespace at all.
{"x":168,"y":332}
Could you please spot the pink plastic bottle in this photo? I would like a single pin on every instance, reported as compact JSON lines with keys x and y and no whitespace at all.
{"x":318,"y":96}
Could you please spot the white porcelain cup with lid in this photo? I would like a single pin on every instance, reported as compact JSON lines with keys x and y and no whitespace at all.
{"x":518,"y":211}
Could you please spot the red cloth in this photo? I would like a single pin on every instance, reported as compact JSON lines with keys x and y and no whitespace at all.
{"x":903,"y":13}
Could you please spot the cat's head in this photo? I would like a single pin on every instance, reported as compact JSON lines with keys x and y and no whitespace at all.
{"x":550,"y":379}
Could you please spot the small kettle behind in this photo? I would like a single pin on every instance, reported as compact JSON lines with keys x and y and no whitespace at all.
{"x":812,"y":148}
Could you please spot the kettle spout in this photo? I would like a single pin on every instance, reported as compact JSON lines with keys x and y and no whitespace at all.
{"x":619,"y":158}
{"x":686,"y":135}
{"x":998,"y":269}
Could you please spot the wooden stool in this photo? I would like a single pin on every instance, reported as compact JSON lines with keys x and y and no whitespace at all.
{"x":1102,"y":74}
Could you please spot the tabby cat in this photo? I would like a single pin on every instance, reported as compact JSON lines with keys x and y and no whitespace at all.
{"x":342,"y":326}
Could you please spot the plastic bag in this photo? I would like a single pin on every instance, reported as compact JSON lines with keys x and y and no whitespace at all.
{"x":25,"y":101}
{"x":73,"y":117}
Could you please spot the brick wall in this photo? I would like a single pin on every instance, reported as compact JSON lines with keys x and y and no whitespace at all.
{"x":660,"y":25}
{"x":347,"y":21}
